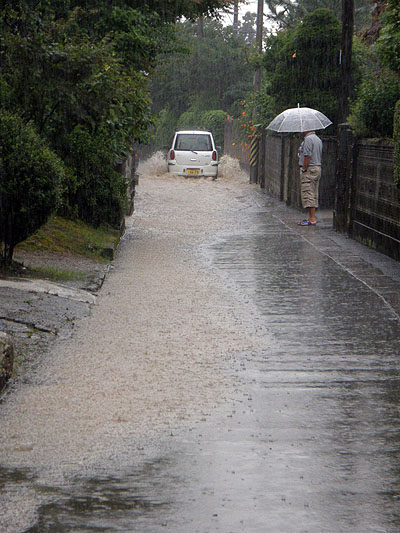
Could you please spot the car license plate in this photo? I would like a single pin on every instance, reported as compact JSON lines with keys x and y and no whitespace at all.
{"x":193,"y":171}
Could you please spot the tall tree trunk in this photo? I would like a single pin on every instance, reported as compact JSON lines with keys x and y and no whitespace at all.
{"x":347,"y":45}
{"x":256,"y":87}
{"x":259,"y":40}
{"x":200,"y":27}
{"x":236,"y":17}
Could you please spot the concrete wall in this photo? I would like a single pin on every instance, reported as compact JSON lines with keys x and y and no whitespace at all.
{"x":375,"y":199}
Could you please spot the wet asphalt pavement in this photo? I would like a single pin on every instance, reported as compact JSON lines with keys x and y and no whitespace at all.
{"x":309,"y":439}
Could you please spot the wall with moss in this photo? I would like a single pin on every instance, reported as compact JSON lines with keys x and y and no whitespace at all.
{"x":396,"y":144}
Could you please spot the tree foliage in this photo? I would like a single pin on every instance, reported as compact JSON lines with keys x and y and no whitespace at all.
{"x":373,"y":109}
{"x":287,"y":13}
{"x":213,"y":69}
{"x":372,"y":112}
{"x":210,"y":120}
{"x":247,"y":27}
{"x":31,"y":177}
{"x":302,"y":65}
{"x":389,"y":39}
{"x":98,"y":193}
{"x":78,"y":70}
{"x":211,"y":73}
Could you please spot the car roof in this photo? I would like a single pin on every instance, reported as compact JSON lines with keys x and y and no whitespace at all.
{"x":193,"y":131}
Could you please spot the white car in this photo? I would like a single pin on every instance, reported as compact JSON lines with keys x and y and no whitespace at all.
{"x":193,"y":153}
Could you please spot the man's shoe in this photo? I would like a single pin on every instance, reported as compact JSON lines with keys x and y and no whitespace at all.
{"x":306,"y":223}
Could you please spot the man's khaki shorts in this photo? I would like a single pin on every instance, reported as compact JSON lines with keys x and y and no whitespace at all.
{"x":309,"y":183}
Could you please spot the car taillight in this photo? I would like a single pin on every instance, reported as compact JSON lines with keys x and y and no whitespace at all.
{"x":214,"y":155}
{"x":172,"y":154}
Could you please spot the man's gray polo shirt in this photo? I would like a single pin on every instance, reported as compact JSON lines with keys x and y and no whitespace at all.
{"x":312,"y":146}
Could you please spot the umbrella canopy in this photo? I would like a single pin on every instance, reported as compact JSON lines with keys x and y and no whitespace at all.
{"x":299,"y":119}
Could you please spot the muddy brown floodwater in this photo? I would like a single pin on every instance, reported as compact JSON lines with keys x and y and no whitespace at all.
{"x":237,"y":374}
{"x":149,"y":357}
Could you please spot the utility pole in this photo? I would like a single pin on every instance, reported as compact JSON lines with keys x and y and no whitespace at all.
{"x":345,"y":58}
{"x":259,"y":41}
{"x":235,"y":17}
{"x":254,"y":146}
{"x":341,"y":215}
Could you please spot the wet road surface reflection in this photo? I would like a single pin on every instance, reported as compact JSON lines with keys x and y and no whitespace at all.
{"x":122,"y":502}
{"x":327,"y":392}
{"x":311,"y":442}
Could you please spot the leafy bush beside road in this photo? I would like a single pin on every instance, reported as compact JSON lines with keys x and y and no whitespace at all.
{"x":372,"y":113}
{"x":98,"y":194}
{"x":31,"y":177}
{"x":78,"y":71}
{"x":214,"y":121}
{"x":373,"y":107}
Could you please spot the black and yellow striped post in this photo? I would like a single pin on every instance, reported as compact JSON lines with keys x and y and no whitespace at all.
{"x":254,"y":151}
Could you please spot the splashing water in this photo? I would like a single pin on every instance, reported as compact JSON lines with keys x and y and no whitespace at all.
{"x":230,"y":168}
{"x":156,"y":166}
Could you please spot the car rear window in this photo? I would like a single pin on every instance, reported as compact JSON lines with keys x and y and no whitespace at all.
{"x":193,"y":141}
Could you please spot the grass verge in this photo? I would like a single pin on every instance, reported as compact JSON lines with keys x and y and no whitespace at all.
{"x":69,"y":237}
{"x":55,"y":274}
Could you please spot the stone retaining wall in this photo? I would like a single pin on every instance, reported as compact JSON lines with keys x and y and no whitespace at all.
{"x":128,"y":168}
{"x":6,"y":358}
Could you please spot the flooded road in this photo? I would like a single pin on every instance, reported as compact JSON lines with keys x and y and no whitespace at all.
{"x":237,"y":374}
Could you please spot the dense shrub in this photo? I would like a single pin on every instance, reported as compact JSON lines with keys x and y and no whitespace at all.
{"x":389,"y":38}
{"x":396,"y":142}
{"x":164,"y":129}
{"x":190,"y":119}
{"x":372,"y":113}
{"x":99,"y":194}
{"x":214,"y":121}
{"x":30,"y":180}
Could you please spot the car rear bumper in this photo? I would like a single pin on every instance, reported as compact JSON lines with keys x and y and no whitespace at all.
{"x":193,"y":171}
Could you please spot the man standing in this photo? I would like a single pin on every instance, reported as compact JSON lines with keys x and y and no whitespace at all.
{"x":310,"y":157}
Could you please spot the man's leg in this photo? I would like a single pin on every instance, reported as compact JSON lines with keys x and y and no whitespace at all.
{"x":309,"y":192}
{"x":311,"y":215}
{"x":307,"y":197}
{"x":315,"y":173}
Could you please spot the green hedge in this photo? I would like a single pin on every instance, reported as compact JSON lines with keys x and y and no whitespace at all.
{"x":212,"y":120}
{"x":372,"y":113}
{"x":30,"y":182}
{"x":98,"y":195}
